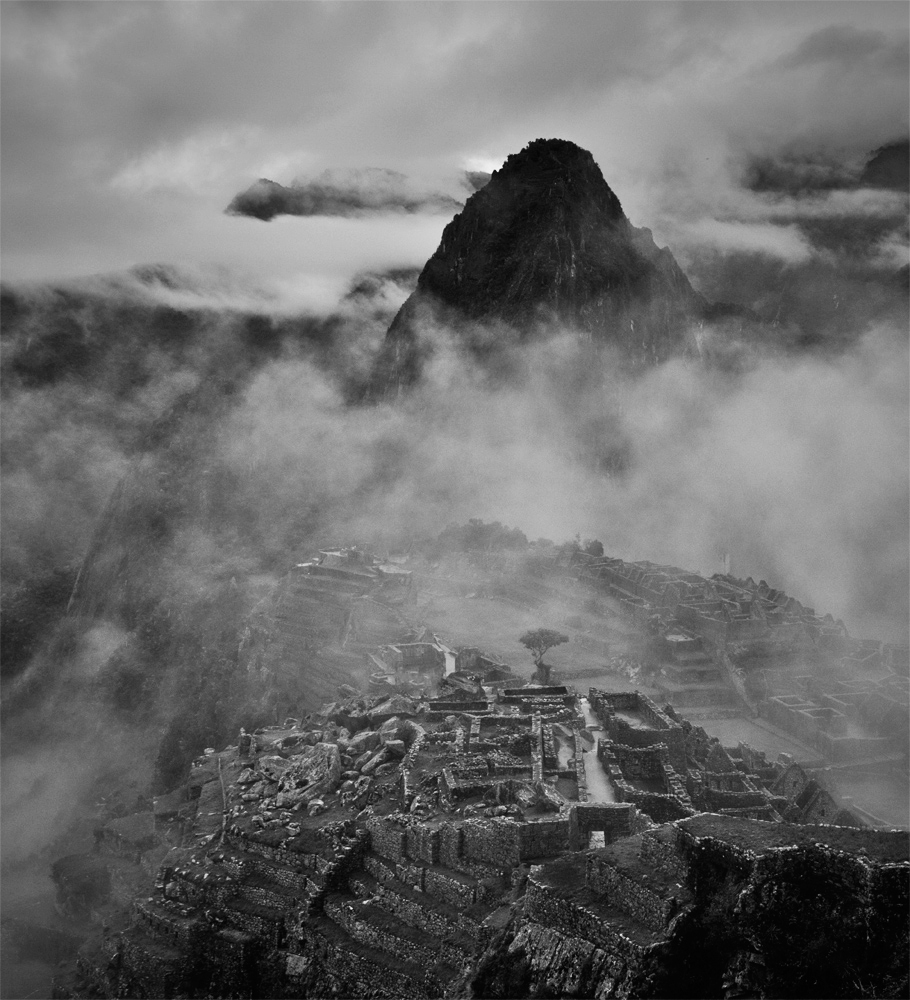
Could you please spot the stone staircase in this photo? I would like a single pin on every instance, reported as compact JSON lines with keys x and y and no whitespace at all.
{"x":416,"y":911}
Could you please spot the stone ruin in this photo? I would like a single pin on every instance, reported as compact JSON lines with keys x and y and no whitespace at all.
{"x":445,"y":829}
{"x":527,"y":842}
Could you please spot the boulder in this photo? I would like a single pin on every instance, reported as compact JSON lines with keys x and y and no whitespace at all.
{"x":395,"y":748}
{"x":273,"y":767}
{"x":313,"y":774}
{"x":262,"y":788}
{"x":390,"y":726}
{"x":378,"y":758}
{"x":548,"y":798}
{"x":366,"y":740}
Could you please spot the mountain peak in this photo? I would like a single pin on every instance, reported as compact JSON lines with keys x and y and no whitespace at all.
{"x":563,"y":166}
{"x":545,"y":242}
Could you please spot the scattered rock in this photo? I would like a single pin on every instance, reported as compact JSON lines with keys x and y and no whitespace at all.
{"x":378,"y":758}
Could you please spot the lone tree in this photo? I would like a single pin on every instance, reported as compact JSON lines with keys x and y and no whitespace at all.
{"x":538,"y":641}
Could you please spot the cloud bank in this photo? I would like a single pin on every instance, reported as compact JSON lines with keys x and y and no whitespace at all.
{"x":353,"y":193}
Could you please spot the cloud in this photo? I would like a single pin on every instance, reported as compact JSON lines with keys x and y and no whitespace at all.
{"x":192,"y":165}
{"x":669,"y":98}
{"x":786,"y":243}
{"x":892,"y":252}
{"x":346,"y":193}
{"x":845,"y":46}
{"x":819,"y":171}
{"x":796,"y":467}
{"x":797,"y":175}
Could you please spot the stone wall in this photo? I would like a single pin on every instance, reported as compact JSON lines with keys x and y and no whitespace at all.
{"x":613,"y":819}
{"x":661,"y":728}
{"x":628,"y":894}
{"x":494,"y":841}
{"x":388,"y":837}
{"x":547,"y":838}
{"x":552,"y":910}
{"x":637,"y":763}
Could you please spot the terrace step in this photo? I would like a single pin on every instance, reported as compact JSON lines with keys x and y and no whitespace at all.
{"x":379,"y":928}
{"x":459,"y":887}
{"x":161,"y":924}
{"x":160,"y":963}
{"x":419,"y":910}
{"x":595,"y":917}
{"x":258,"y":888}
{"x":240,"y":864}
{"x":427,"y":982}
{"x":265,"y":923}
{"x":455,"y":888}
{"x":268,"y":914}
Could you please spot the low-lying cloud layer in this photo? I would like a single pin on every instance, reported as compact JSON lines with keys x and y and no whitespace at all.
{"x":797,"y":469}
{"x":795,"y":464}
{"x":243,"y":454}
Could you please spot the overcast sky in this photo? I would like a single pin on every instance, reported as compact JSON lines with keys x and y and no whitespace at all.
{"x":127,"y":127}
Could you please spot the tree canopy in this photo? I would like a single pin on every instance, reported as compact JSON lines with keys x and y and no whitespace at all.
{"x":539,"y":640}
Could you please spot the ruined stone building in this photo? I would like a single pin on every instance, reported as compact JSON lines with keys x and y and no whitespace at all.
{"x":529,"y":842}
{"x":439,"y":827}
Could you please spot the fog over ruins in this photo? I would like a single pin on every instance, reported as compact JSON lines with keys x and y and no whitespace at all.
{"x":455,"y":500}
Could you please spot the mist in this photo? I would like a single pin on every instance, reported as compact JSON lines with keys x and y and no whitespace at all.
{"x":202,"y":440}
{"x":796,"y":468}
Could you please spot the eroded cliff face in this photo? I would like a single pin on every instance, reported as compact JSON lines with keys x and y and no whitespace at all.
{"x":544,"y":243}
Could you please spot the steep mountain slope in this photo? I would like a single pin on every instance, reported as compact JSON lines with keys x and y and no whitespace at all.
{"x":545,"y":241}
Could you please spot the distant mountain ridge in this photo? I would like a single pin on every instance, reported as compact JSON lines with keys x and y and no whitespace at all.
{"x":546,"y":241}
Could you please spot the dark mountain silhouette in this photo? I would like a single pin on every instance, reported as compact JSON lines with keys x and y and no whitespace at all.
{"x":545,"y":241}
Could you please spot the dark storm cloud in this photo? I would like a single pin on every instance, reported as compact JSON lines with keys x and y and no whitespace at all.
{"x":356,"y":193}
{"x":887,"y":167}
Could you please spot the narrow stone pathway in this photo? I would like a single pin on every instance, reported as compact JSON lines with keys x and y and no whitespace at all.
{"x":599,"y":787}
